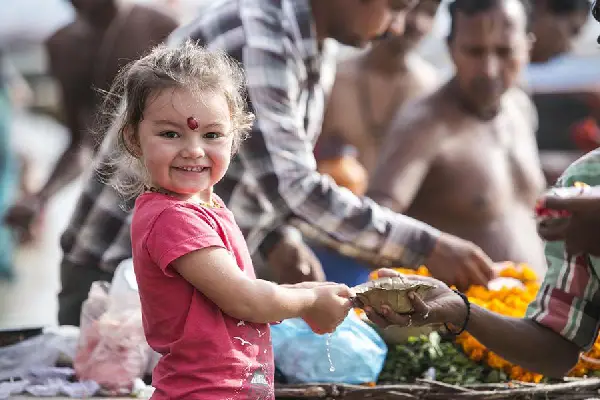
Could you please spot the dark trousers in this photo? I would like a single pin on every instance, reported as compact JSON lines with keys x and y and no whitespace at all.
{"x":76,"y":281}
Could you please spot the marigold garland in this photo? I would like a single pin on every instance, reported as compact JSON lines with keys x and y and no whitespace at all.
{"x":511,"y":302}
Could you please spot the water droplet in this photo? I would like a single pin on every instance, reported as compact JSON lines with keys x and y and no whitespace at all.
{"x":328,"y":345}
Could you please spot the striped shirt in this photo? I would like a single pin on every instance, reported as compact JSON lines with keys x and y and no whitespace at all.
{"x":569,"y":299}
{"x":273,"y":181}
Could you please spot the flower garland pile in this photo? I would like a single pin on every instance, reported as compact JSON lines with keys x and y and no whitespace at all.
{"x":511,"y":302}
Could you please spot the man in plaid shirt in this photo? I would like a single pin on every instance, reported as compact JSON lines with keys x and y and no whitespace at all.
{"x":273,"y":182}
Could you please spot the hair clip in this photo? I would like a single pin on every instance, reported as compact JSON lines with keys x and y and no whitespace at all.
{"x":192,"y":123}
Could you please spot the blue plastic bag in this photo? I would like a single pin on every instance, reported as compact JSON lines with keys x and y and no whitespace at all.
{"x":357,"y":352}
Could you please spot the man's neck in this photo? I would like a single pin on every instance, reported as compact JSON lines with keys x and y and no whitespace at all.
{"x":484,"y":113}
{"x":103,"y":20}
{"x":386,"y":61}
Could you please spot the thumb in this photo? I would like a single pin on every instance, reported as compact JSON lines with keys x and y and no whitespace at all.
{"x":573,"y":204}
{"x":344,"y":291}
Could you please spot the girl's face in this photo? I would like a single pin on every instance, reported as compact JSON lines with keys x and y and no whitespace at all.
{"x":185,"y":161}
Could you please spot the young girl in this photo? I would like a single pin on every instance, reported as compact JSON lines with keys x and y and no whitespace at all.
{"x":203,"y":309}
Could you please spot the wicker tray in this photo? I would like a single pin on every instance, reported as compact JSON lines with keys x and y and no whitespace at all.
{"x":569,"y":389}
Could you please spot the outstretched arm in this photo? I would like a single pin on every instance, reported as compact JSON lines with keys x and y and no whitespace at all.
{"x":521,"y":341}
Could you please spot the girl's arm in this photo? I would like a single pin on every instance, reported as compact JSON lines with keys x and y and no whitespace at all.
{"x":215,"y":273}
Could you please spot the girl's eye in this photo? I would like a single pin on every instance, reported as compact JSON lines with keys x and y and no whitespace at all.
{"x":170,"y":134}
{"x":212,"y":135}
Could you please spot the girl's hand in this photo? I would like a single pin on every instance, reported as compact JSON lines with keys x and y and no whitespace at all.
{"x":330,"y":308}
{"x":439,"y":306}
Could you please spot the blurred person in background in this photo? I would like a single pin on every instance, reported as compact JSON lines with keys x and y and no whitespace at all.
{"x":464,"y":158}
{"x":8,"y":174}
{"x":17,"y":33}
{"x":555,"y":25}
{"x":84,"y":57}
{"x":289,"y":68}
{"x":369,"y":90}
{"x":568,"y":115}
{"x":563,"y":320}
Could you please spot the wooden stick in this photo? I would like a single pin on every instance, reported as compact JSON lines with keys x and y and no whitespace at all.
{"x":445,"y":386}
{"x":543,"y":389}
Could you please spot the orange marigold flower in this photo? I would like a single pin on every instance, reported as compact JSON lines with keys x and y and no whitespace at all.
{"x":528,"y":274}
{"x":477,"y":354}
{"x":497,"y":362}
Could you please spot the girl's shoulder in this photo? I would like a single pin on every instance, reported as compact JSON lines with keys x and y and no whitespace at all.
{"x":219,"y":201}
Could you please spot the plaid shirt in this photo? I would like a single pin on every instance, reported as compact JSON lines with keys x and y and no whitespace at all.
{"x":273,"y":180}
{"x":569,"y":299}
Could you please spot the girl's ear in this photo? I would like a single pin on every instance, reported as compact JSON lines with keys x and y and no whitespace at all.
{"x":131,"y":142}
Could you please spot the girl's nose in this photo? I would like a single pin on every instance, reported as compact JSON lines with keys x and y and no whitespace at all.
{"x":193,"y":150}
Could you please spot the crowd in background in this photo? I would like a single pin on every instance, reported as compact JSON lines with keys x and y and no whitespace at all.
{"x":55,"y":67}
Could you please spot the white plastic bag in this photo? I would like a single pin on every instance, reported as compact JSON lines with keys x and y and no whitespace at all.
{"x":112,"y":348}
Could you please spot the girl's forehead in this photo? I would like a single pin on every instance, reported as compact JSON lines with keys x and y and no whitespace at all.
{"x":181,"y":103}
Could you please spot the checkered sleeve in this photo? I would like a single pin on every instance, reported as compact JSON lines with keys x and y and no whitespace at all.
{"x":568,"y":301}
{"x":281,"y":158}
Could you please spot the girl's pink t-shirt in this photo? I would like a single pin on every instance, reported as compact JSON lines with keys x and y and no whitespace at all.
{"x":206,"y":354}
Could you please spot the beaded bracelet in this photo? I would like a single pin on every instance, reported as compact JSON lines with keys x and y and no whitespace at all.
{"x":468,"y":304}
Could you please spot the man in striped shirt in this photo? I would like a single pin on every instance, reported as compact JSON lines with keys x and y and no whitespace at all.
{"x":273,"y":183}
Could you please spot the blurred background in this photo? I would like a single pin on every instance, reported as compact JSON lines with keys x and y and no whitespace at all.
{"x":39,"y":135}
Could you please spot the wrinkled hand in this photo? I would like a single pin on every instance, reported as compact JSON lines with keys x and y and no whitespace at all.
{"x":330,"y":308}
{"x":292,"y":261}
{"x":440,"y":305}
{"x":21,"y":216}
{"x":581,"y":228}
{"x":459,"y":262}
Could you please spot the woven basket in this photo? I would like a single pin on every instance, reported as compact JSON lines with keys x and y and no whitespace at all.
{"x":569,"y":389}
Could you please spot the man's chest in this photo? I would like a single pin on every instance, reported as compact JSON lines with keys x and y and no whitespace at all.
{"x":491,"y":164}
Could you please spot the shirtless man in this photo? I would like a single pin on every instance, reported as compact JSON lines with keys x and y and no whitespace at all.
{"x":464,"y":159}
{"x":370,"y":87}
{"x":84,"y":57}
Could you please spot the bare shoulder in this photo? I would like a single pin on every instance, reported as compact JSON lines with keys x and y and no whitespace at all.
{"x":67,"y":47}
{"x":155,"y":13}
{"x":69,"y":35}
{"x":421,"y":116}
{"x":424,"y":74}
{"x":519,"y":99}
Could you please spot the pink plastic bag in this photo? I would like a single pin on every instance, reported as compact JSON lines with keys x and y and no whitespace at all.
{"x":112,"y":348}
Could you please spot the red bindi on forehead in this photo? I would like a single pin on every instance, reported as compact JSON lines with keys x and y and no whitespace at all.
{"x":192,"y":123}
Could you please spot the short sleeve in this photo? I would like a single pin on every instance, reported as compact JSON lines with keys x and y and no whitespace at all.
{"x":568,"y":301}
{"x":178,"y":231}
